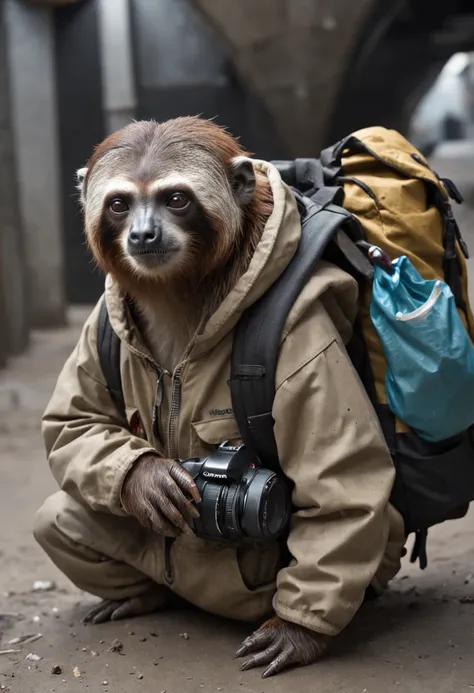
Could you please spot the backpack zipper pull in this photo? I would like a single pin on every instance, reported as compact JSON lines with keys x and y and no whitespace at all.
{"x":452,"y":190}
{"x":457,"y":231}
{"x":450,"y":186}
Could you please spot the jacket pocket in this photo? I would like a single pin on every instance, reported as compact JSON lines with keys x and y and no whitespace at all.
{"x":217,"y":578}
{"x":135,"y":423}
{"x":257,"y":565}
{"x":212,"y":432}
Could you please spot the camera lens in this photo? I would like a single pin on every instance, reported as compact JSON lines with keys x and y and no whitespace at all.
{"x":266,"y":508}
{"x":275,"y":507}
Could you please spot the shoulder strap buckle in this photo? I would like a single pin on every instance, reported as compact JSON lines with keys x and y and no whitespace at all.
{"x":247,"y":372}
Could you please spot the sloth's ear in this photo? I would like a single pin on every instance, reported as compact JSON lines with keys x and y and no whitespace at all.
{"x":81,"y":182}
{"x":243,"y":179}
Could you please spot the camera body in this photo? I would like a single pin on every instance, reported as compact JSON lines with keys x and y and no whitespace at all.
{"x":239,"y":497}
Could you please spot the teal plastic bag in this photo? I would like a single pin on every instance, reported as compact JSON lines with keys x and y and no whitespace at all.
{"x":430,"y":357}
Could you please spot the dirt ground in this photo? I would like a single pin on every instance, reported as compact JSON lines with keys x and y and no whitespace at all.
{"x":418,"y":637}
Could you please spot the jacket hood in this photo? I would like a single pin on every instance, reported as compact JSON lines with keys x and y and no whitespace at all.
{"x":276,"y":248}
{"x":278,"y":244}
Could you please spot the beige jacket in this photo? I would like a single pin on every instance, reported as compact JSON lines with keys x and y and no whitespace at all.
{"x":344,"y":535}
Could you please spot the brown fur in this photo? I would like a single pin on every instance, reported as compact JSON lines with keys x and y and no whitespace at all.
{"x":279,"y":644}
{"x":159,"y":496}
{"x":140,"y":153}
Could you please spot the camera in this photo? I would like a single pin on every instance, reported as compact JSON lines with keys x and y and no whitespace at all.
{"x":239,"y":497}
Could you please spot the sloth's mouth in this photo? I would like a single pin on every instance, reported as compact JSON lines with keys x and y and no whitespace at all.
{"x":140,"y":253}
{"x":154,"y":258}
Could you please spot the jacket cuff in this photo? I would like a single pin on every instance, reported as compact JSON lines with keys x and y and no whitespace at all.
{"x":305,"y":619}
{"x":124,"y":465}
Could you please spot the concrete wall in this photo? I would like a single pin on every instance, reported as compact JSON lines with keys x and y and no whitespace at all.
{"x":119,"y":100}
{"x":30,"y":49}
{"x":82,"y":127}
{"x":293,"y":54}
{"x":13,"y":298}
{"x":175,"y":47}
{"x":182,"y":68}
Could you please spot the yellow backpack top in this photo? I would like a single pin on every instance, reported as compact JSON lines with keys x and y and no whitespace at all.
{"x":404,"y":209}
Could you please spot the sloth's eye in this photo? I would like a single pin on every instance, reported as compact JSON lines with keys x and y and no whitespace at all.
{"x":118,"y":206}
{"x":178,"y":201}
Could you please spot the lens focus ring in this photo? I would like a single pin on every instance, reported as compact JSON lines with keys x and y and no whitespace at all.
{"x":232,"y":526}
{"x":210,"y":509}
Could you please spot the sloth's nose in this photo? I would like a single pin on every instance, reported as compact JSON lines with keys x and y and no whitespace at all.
{"x":144,"y":238}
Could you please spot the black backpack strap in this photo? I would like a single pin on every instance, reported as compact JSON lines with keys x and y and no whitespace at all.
{"x":331,"y":159}
{"x":306,"y":175}
{"x":108,"y":349}
{"x":258,"y":334}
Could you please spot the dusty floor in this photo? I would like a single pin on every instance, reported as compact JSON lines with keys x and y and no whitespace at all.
{"x":419,"y":637}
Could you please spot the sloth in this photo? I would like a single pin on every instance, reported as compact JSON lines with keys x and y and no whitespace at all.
{"x":190,"y":230}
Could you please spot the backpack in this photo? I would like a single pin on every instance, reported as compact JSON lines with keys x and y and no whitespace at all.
{"x":373,"y":188}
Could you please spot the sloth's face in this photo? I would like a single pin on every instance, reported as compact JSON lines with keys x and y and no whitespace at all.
{"x":158,"y":204}
{"x":158,"y":228}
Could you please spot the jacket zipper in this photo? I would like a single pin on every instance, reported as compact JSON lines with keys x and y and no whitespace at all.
{"x":176,"y":402}
{"x":174,"y":413}
{"x":172,"y":451}
{"x":168,"y":543}
{"x":173,"y":445}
